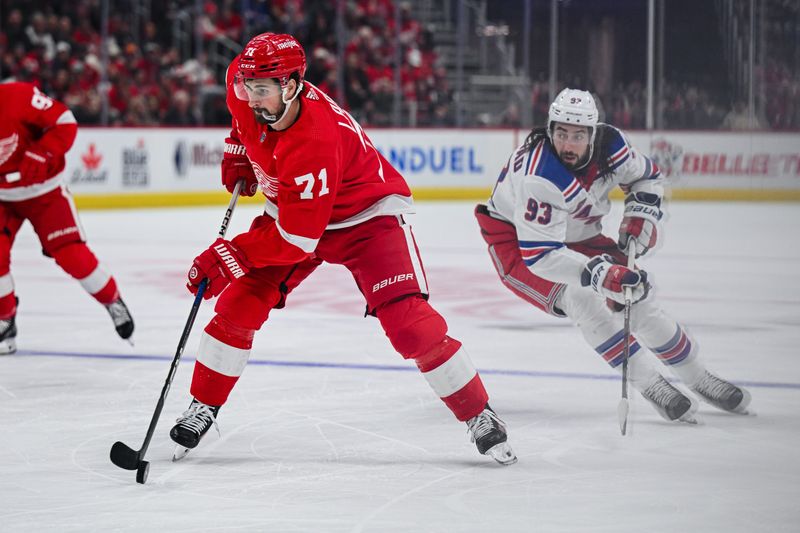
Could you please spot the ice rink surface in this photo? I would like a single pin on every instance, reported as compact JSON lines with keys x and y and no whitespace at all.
{"x":329,"y":430}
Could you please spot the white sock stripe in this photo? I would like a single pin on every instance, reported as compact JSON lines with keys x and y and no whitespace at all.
{"x":94,"y":282}
{"x":451,"y":376}
{"x":416,"y":264}
{"x":220,"y":357}
{"x":6,"y":285}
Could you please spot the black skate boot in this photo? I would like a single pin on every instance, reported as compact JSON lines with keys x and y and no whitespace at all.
{"x":123,"y":322}
{"x":8,"y":334}
{"x":191,"y":426}
{"x":488,"y":433}
{"x":722,"y":394}
{"x":670,"y":402}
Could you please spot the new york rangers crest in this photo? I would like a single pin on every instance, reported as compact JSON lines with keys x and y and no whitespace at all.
{"x":668,"y":156}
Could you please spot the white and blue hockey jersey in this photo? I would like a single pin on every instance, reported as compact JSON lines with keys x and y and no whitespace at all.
{"x":551,"y":206}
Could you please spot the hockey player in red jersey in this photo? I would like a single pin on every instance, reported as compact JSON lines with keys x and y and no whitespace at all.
{"x":330,"y":197}
{"x":543,"y":226}
{"x":35,"y":133}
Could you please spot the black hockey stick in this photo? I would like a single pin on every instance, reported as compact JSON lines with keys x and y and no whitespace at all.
{"x":123,"y":455}
{"x":622,"y":409}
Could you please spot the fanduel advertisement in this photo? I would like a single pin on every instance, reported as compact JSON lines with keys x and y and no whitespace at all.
{"x":119,"y":160}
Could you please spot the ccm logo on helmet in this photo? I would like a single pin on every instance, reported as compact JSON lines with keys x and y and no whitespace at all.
{"x":391,"y":281}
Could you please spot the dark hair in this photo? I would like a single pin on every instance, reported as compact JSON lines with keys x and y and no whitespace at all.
{"x":293,"y":76}
{"x":536,"y":135}
{"x":602,"y":142}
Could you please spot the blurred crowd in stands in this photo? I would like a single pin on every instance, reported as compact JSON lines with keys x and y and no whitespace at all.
{"x":156,"y":75}
{"x":686,"y":105}
{"x":57,"y":46}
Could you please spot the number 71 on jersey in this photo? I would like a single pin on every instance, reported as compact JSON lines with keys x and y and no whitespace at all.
{"x":309,"y":180}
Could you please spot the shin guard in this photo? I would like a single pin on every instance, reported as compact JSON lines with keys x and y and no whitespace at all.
{"x":221,"y":359}
{"x":8,"y":301}
{"x":418,"y":332}
{"x":77,"y":260}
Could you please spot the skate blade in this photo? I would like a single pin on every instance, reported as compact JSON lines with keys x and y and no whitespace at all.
{"x":742,"y":408}
{"x":8,"y":347}
{"x":689,"y":417}
{"x":179,"y":452}
{"x":502,"y":453}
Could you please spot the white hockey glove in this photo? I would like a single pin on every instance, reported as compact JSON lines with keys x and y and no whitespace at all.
{"x":610,"y":280}
{"x":640,"y":221}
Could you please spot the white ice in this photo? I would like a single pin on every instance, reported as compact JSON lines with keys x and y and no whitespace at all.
{"x":329,"y":430}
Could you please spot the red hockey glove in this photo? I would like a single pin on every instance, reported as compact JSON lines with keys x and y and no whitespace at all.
{"x":236,"y":166}
{"x":37,"y":165}
{"x":221,"y":264}
{"x":610,"y":280}
{"x":640,"y":221}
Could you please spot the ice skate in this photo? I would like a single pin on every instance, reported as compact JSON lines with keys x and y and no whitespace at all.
{"x":722,"y":394}
{"x":123,"y":322}
{"x":191,"y":426}
{"x":670,"y":402}
{"x":8,"y":336}
{"x":488,"y":433}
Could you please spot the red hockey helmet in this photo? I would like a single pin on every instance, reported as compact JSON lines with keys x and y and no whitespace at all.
{"x":272,"y":55}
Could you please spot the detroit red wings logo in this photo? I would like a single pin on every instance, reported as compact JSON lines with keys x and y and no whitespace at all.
{"x":267,"y":183}
{"x":8,"y":146}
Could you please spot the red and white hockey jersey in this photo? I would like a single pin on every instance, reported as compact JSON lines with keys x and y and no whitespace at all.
{"x":551,"y":206}
{"x":30,"y":118}
{"x":321,"y":173}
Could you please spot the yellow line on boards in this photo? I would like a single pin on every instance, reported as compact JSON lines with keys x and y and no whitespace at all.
{"x":158,"y":199}
{"x":180,"y":199}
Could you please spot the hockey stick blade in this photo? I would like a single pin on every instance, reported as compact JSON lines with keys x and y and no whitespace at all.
{"x":124,"y":457}
{"x":622,"y":413}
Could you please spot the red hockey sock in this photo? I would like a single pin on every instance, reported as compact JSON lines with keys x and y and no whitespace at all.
{"x":469,"y":400}
{"x":77,"y":260}
{"x":450,"y":373}
{"x":211,"y":387}
{"x":418,"y":332}
{"x":8,"y":306}
{"x":221,"y":359}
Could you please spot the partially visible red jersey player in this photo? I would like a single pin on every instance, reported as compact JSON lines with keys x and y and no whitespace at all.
{"x":35,"y":133}
{"x":330,"y":197}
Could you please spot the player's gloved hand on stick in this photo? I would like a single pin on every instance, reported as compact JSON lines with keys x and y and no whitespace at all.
{"x":221,"y":263}
{"x":610,"y":280}
{"x":236,"y":166}
{"x":37,"y":165}
{"x":640,"y":221}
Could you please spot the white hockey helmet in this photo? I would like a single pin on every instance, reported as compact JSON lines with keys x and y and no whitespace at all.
{"x":573,"y":106}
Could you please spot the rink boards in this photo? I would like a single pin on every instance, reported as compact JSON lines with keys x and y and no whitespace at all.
{"x":134,"y":167}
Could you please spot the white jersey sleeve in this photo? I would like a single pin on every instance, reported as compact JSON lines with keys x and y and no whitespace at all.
{"x":634,"y":171}
{"x":539,"y":198}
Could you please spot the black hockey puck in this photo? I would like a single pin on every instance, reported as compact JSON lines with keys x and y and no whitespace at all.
{"x":142,"y":471}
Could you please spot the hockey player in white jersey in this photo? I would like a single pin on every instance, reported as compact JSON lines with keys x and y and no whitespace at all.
{"x":543,"y":225}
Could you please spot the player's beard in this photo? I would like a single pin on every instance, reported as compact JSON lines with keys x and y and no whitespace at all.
{"x":576,"y":161}
{"x":261,"y":114}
